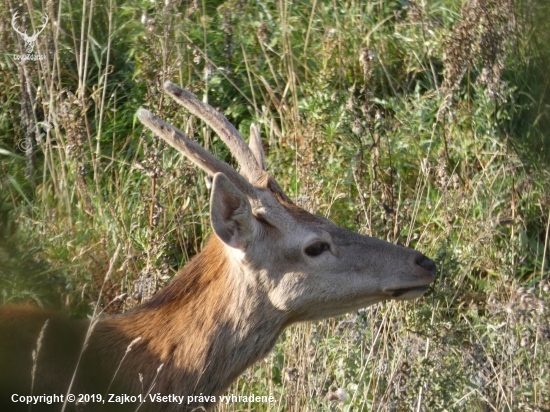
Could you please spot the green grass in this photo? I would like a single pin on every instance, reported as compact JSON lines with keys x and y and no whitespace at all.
{"x":421,"y":122}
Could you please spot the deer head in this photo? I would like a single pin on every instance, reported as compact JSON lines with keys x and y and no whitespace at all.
{"x":305,"y":265}
{"x":29,"y":40}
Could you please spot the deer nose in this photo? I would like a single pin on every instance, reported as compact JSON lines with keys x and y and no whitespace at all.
{"x":427,"y":264}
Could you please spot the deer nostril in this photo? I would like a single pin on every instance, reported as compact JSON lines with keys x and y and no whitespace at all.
{"x":427,"y":264}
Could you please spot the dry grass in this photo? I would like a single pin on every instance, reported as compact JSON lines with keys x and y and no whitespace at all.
{"x":424,"y":124}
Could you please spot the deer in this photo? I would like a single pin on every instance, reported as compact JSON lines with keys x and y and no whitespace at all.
{"x":29,"y":40}
{"x":268,"y":264}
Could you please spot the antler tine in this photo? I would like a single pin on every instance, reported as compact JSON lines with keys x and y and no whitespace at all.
{"x":13,"y":20}
{"x":195,"y":152}
{"x":255,"y":144}
{"x":227,"y":132}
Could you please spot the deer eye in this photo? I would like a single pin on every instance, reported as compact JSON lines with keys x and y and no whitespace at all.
{"x":317,"y":248}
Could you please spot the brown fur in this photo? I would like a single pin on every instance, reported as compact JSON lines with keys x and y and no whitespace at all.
{"x":175,"y":330}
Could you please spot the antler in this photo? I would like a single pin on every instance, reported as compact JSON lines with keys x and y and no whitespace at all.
{"x":13,"y":20}
{"x":250,"y":168}
{"x":44,"y":22}
{"x":195,"y":152}
{"x":255,"y":144}
{"x":35,"y":34}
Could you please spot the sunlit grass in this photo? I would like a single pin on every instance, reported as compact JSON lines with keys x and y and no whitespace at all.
{"x":394,"y":119}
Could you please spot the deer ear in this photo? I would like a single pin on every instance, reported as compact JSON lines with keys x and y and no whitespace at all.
{"x":230,"y":213}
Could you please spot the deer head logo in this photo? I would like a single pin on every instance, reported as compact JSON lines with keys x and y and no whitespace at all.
{"x":29,"y":40}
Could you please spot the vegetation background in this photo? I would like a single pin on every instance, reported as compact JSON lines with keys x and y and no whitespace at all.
{"x":424,"y":122}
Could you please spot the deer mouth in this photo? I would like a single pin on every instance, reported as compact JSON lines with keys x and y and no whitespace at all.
{"x":407,"y":293}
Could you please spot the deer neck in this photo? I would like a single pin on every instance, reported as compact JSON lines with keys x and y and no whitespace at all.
{"x":206,"y":327}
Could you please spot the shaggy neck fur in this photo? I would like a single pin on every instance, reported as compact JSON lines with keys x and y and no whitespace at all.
{"x":206,"y":328}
